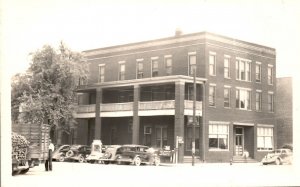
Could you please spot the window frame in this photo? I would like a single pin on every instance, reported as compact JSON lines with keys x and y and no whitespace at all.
{"x":211,"y":134}
{"x":258,"y":101}
{"x":212,"y":66}
{"x":139,"y":72}
{"x":271,"y":107}
{"x":258,"y":74}
{"x":212,"y":97}
{"x":270,"y":74}
{"x":154,"y":70}
{"x":229,"y":96}
{"x":121,"y":74}
{"x":227,"y":75}
{"x":241,"y":66}
{"x":246,"y":94}
{"x":101,"y":67}
{"x":264,"y":136}
{"x":192,"y":66}
{"x":168,"y":67}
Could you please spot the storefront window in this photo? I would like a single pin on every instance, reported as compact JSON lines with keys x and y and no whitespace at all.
{"x":265,"y":138}
{"x":218,"y":136}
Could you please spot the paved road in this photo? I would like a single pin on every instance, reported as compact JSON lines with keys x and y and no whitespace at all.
{"x":217,"y":174}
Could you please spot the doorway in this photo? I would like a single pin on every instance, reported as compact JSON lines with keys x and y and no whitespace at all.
{"x":239,"y":141}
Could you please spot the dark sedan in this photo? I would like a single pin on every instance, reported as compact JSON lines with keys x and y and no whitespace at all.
{"x":78,"y":153}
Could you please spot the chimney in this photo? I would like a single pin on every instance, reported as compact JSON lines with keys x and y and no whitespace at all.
{"x":178,"y":32}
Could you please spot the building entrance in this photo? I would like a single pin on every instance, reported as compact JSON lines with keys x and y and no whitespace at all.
{"x":239,"y":141}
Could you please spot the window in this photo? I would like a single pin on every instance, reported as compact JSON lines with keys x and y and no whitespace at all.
{"x":212,"y":63}
{"x":189,"y":138}
{"x":154,"y":65}
{"x":192,"y":63}
{"x":212,"y":95}
{"x":270,"y":102}
{"x":161,"y":137}
{"x":122,"y":70}
{"x":258,"y":72}
{"x":243,"y":99}
{"x":101,"y":73}
{"x":190,"y":93}
{"x":243,"y":69}
{"x":265,"y":138}
{"x":227,"y":67}
{"x":168,"y":65}
{"x":258,"y":101}
{"x":147,"y":135}
{"x":270,"y":74}
{"x":139,"y":69}
{"x":218,"y":136}
{"x":227,"y":97}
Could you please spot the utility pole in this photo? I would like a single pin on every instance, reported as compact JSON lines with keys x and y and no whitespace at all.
{"x":194,"y":118}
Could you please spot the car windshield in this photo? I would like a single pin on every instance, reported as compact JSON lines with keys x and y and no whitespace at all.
{"x":74,"y":147}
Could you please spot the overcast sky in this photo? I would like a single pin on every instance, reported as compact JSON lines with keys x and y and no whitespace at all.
{"x":88,"y":24}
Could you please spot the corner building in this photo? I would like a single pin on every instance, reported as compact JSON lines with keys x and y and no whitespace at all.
{"x":142,"y":93}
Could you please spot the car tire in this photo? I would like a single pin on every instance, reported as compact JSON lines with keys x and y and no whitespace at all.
{"x":106,"y":162}
{"x":61,"y":158}
{"x":137,"y":161}
{"x":277,"y":161}
{"x":69,"y":153}
{"x":156,"y":161}
{"x":81,"y":159}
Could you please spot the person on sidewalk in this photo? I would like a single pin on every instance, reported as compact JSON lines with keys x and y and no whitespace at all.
{"x":48,"y":163}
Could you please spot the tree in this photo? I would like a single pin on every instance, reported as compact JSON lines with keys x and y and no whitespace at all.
{"x":46,"y":92}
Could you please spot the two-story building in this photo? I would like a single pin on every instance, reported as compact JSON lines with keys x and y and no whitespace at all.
{"x":142,"y":93}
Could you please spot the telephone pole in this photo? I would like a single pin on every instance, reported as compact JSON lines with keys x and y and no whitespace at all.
{"x":194,"y":118}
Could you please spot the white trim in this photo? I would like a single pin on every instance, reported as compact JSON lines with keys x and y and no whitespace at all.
{"x":85,"y":115}
{"x":242,"y":88}
{"x":243,"y":124}
{"x":227,"y":86}
{"x":244,"y":59}
{"x":270,"y":92}
{"x":168,"y":56}
{"x":218,"y":123}
{"x":156,"y":112}
{"x":258,"y":62}
{"x":116,"y":114}
{"x":154,"y":58}
{"x":140,"y":59}
{"x":100,"y":65}
{"x":212,"y":53}
{"x":189,"y":112}
{"x":259,"y":91}
{"x":212,"y":84}
{"x":265,"y":125}
{"x":192,"y":53}
{"x":270,"y":65}
{"x":227,"y":56}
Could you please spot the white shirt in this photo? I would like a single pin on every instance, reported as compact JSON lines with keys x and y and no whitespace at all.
{"x":51,"y":146}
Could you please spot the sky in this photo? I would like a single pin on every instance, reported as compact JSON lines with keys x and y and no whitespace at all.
{"x":87,"y":24}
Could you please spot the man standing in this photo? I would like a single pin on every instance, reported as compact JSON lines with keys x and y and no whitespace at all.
{"x":48,"y":163}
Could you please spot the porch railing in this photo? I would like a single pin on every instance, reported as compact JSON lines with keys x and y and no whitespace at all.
{"x":86,"y":108}
{"x":114,"y":107}
{"x":157,"y":105}
{"x":189,"y":105}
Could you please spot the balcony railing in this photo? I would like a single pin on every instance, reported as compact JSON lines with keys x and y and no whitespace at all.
{"x":115,"y":107}
{"x":86,"y":108}
{"x":157,"y":105}
{"x":189,"y":105}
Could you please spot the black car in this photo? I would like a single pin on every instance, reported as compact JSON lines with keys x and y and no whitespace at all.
{"x":137,"y":155}
{"x":78,"y":153}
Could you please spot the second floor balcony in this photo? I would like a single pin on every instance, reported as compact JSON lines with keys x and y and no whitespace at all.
{"x":145,"y":108}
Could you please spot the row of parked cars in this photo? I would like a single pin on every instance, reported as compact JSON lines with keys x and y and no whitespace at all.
{"x":119,"y":154}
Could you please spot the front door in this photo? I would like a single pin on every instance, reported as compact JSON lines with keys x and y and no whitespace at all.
{"x":161,"y":136}
{"x":239,"y":141}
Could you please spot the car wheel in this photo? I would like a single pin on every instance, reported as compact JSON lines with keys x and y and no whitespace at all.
{"x":81,"y":159}
{"x":137,"y":161}
{"x":156,"y":161}
{"x":106,"y":162}
{"x":61,"y":158}
{"x":277,"y":161}
{"x":69,"y":153}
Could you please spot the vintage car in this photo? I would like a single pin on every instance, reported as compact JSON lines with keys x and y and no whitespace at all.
{"x":137,"y":155}
{"x":96,"y":152}
{"x":78,"y":153}
{"x":111,"y":154}
{"x":278,"y":156}
{"x":60,"y":153}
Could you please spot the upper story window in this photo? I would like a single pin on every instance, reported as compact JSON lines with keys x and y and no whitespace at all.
{"x":168,"y":64}
{"x":270,"y":101}
{"x":212,"y":63}
{"x":227,"y":66}
{"x":270,"y":74}
{"x":243,"y":69}
{"x":192,"y":63}
{"x":122,"y":70}
{"x":265,"y":138}
{"x":154,"y":66}
{"x":258,"y":100}
{"x":243,"y":98}
{"x":101,"y":69}
{"x":139,"y":69}
{"x":212,"y":95}
{"x":226,"y":97}
{"x":258,"y":72}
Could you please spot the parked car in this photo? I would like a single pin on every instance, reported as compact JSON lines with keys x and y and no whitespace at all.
{"x":96,"y":152}
{"x":60,"y":153}
{"x":278,"y":156}
{"x":78,"y":153}
{"x":111,"y":154}
{"x":137,"y":155}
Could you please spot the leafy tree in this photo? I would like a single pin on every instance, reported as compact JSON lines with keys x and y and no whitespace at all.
{"x":46,"y":92}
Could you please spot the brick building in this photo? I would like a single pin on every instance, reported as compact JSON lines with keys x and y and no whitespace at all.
{"x":142,"y":93}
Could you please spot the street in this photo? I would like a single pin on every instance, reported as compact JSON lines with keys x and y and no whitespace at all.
{"x":208,"y":174}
